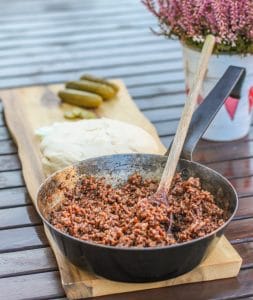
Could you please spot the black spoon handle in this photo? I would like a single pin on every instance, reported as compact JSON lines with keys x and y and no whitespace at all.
{"x":229,"y":85}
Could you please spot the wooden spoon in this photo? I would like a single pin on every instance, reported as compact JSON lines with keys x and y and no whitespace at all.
{"x":185,"y":120}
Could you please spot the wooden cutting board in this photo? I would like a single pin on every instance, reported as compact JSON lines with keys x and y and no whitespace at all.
{"x":29,"y":108}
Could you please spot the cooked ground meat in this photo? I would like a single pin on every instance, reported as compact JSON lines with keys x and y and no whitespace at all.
{"x":125,"y":216}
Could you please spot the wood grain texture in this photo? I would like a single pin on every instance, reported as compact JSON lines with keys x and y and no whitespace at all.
{"x":7,"y":147}
{"x":14,"y":197}
{"x":18,"y":217}
{"x":29,"y":108}
{"x":46,"y":285}
{"x":27,"y":262}
{"x":22,"y":239}
{"x":9,"y":162}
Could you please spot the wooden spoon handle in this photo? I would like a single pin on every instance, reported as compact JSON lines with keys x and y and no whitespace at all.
{"x":185,"y":120}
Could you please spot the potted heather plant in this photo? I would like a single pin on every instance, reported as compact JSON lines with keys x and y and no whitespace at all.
{"x":231,"y":22}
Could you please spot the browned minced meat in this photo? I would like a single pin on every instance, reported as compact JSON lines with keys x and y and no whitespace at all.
{"x":125,"y":216}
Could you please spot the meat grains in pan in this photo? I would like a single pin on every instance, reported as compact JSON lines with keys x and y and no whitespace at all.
{"x":124,"y":216}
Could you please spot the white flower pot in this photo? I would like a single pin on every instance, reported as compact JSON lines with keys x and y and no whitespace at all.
{"x":233,"y":120}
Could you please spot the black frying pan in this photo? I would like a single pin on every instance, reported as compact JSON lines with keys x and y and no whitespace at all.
{"x":154,"y":263}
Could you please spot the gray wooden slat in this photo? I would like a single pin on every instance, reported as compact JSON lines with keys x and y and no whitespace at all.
{"x":160,"y":101}
{"x":172,"y":59}
{"x":72,"y":10}
{"x":15,"y":57}
{"x":7,"y":147}
{"x":9,"y":162}
{"x":155,"y":78}
{"x":14,"y":197}
{"x":73,"y":38}
{"x":58,"y":30}
{"x":25,"y":262}
{"x":18,"y":217}
{"x":44,"y":49}
{"x":4,"y":134}
{"x":11,"y":179}
{"x":69,"y":26}
{"x":115,"y":72}
{"x":37,"y":286}
{"x":22,"y":239}
{"x":166,"y":128}
{"x":164,"y":114}
{"x":150,"y":91}
{"x":166,"y":140}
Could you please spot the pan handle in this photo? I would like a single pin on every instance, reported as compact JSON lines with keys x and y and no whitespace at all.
{"x":229,"y":85}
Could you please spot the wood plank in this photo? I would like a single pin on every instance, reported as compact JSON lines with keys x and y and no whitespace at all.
{"x":85,"y":65}
{"x":1,"y":119}
{"x":246,"y":252}
{"x":4,"y":134}
{"x":163,"y":89}
{"x":166,"y":128}
{"x":53,"y":54}
{"x":117,"y":71}
{"x":224,"y":151}
{"x":70,"y":26}
{"x":28,"y":18}
{"x":234,"y":168}
{"x":75,"y":37}
{"x":158,"y":115}
{"x":240,"y":231}
{"x":83,"y":31}
{"x":26,"y":262}
{"x":245,"y":209}
{"x":243,"y":186}
{"x":164,"y":102}
{"x":9,"y":162}
{"x":41,"y":286}
{"x":11,"y":179}
{"x":18,"y":217}
{"x":7,"y":147}
{"x":38,"y":50}
{"x":22,"y":239}
{"x":14,"y":197}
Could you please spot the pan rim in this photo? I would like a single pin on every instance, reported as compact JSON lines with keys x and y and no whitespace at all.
{"x":117,"y":248}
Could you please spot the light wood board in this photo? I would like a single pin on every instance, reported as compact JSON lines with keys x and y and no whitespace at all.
{"x":29,"y":108}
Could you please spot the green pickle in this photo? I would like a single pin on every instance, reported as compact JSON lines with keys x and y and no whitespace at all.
{"x":79,"y":113}
{"x":80,"y":98}
{"x":84,"y":113}
{"x":100,"y":80}
{"x":69,"y":115}
{"x":103,"y":90}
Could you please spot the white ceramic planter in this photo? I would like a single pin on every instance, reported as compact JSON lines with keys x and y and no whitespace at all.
{"x":233,"y":120}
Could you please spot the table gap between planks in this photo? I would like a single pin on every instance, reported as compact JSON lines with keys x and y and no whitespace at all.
{"x":58,"y":41}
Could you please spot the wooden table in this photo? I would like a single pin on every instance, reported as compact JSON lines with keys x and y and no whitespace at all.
{"x":46,"y":41}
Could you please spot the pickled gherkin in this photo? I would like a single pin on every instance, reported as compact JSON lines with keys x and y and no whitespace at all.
{"x":103,"y":90}
{"x":79,"y":113}
{"x":100,"y":80}
{"x":80,"y":98}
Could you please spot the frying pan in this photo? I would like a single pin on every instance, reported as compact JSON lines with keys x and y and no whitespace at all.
{"x":153,"y":263}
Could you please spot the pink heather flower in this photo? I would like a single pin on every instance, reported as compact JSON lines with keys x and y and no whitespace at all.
{"x":231,"y":21}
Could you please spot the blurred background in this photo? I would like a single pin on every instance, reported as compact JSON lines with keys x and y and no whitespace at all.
{"x":48,"y":41}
